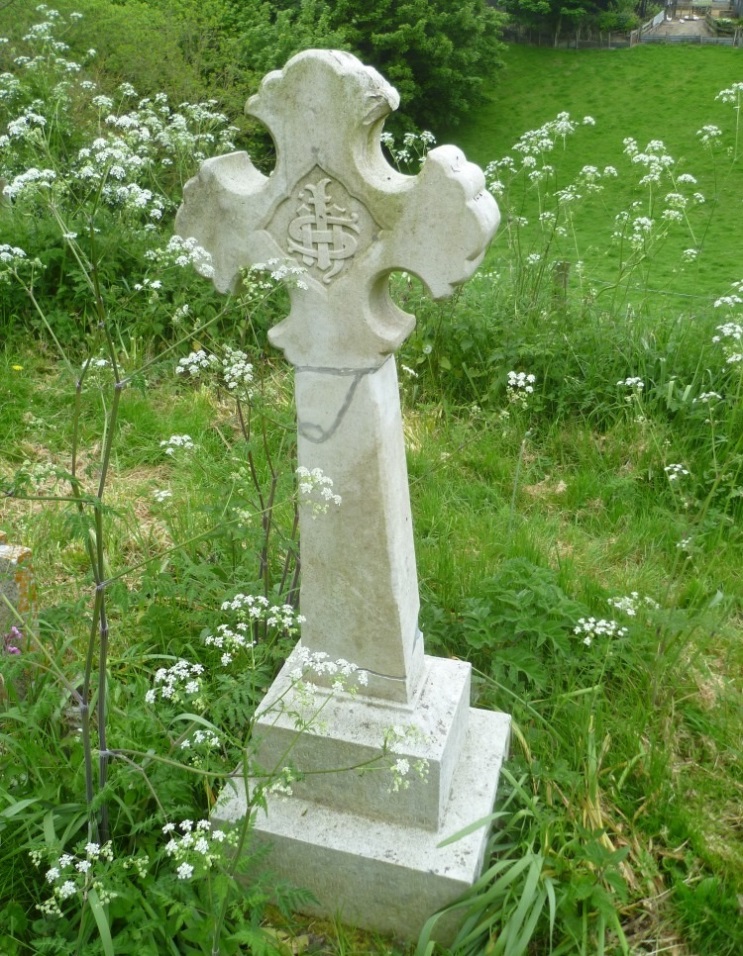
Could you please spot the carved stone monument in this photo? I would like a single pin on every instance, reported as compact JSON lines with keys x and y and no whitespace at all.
{"x":335,"y":206}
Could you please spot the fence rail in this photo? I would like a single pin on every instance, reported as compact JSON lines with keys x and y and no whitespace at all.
{"x":655,"y":22}
{"x":699,"y":40}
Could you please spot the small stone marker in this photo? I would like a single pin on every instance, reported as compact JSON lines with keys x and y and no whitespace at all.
{"x":17,"y":586}
{"x":334,"y":206}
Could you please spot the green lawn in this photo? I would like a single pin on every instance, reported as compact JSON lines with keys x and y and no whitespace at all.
{"x":648,"y":92}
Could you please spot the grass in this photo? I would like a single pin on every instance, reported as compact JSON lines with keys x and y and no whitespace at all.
{"x":504,"y":551}
{"x":647,"y":92}
{"x":620,"y":805}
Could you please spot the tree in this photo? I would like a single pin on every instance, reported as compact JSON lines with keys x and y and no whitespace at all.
{"x":559,"y":17}
{"x":438,"y":54}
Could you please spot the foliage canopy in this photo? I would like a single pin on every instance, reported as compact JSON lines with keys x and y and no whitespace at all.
{"x":439,"y":55}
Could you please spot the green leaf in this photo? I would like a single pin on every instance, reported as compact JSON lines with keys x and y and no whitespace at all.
{"x":16,"y":808}
{"x":478,"y":824}
{"x":102,"y":922}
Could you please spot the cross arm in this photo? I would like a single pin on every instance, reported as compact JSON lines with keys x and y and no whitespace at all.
{"x":447,"y":222}
{"x":222,"y":208}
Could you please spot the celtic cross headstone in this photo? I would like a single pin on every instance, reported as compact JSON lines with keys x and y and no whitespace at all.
{"x":335,"y":206}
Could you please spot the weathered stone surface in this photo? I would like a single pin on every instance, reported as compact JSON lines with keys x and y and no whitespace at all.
{"x":335,"y":207}
{"x":359,"y":580}
{"x":378,"y":872}
{"x":359,"y":218}
{"x":351,"y":732}
{"x":17,"y":585}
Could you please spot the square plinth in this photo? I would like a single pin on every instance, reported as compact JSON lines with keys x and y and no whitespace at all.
{"x":380,"y":874}
{"x":340,"y":731}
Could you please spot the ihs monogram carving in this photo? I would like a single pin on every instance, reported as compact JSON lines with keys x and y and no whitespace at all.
{"x":323,"y":233}
{"x":322,"y":226}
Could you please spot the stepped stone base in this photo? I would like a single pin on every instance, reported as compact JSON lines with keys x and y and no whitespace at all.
{"x":372,"y":858}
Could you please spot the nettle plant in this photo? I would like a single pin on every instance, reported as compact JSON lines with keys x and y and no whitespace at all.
{"x":86,"y":180}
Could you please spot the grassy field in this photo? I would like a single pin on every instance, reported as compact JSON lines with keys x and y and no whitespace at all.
{"x":648,"y":92}
{"x":578,"y":537}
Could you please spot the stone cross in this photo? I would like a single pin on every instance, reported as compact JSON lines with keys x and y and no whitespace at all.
{"x":334,"y":206}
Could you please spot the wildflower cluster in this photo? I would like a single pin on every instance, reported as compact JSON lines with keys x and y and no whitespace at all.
{"x":676,"y":471}
{"x":250,"y":611}
{"x":12,"y":641}
{"x":591,"y":627}
{"x":635,"y":386}
{"x":532,"y":149}
{"x":130,"y":145}
{"x":590,"y":177}
{"x":183,"y":252}
{"x":10,"y":258}
{"x":230,"y":641}
{"x":709,"y":134}
{"x":110,"y":168}
{"x":237,"y":370}
{"x":48,"y":49}
{"x":182,"y":679}
{"x":636,"y":230}
{"x":708,"y":398}
{"x":197,"y":847}
{"x":206,"y":739}
{"x":177,"y":442}
{"x":730,"y":336}
{"x":415,"y":147}
{"x":520,"y":385}
{"x":194,"y":132}
{"x":654,"y":159}
{"x":395,"y":739}
{"x":250,"y":608}
{"x":199,"y":746}
{"x":316,"y":489}
{"x":733,"y":94}
{"x":633,"y":382}
{"x":631,"y":603}
{"x":97,"y":371}
{"x":279,"y":271}
{"x":314,"y":678}
{"x":657,"y":167}
{"x":281,"y":782}
{"x":95,"y":363}
{"x":687,"y":546}
{"x":74,"y":875}
{"x":317,"y":663}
